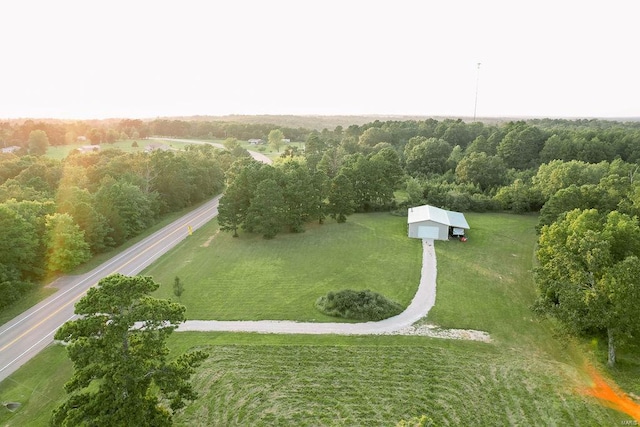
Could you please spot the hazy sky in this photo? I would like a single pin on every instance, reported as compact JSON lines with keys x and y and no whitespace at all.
{"x":133,"y":58}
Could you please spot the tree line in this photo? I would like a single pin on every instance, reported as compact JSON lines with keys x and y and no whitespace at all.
{"x":13,"y":133}
{"x":456,"y":165}
{"x":54,"y":215}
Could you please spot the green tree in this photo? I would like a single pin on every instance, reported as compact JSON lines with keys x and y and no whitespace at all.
{"x":178,"y":287}
{"x":298,"y":193}
{"x":232,"y":208}
{"x":96,"y":136}
{"x":389,"y":162}
{"x":80,"y":204}
{"x":557,"y":174}
{"x":374,"y":136}
{"x":242,"y":178}
{"x":341,"y":198}
{"x":428,"y":157}
{"x":373,"y":190}
{"x":19,"y":242}
{"x":520,"y":148}
{"x":481,"y":145}
{"x":314,"y":149}
{"x":483,"y":170}
{"x":20,"y":252}
{"x":275,"y":139}
{"x":38,"y":142}
{"x":331,"y":162}
{"x":588,"y":273}
{"x":558,"y":147}
{"x":66,"y":247}
{"x":118,"y":347}
{"x":112,"y":136}
{"x":415,"y":192}
{"x":518,"y":197}
{"x":265,"y":214}
{"x":126,"y":208}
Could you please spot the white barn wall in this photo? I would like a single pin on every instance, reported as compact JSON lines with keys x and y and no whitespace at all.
{"x":443,"y":229}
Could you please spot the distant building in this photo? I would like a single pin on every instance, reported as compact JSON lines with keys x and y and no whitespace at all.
{"x":81,"y":138}
{"x":256,"y":141}
{"x":429,"y":222}
{"x":89,"y":148}
{"x":10,"y":149}
{"x":286,"y":140}
{"x":154,"y":147}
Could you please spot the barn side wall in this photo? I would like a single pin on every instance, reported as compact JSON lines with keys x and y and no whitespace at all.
{"x":443,"y":230}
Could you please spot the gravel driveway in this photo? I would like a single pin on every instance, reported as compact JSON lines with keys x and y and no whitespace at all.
{"x":401,"y":324}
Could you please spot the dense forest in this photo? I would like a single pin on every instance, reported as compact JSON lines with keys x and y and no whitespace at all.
{"x":580,"y":175}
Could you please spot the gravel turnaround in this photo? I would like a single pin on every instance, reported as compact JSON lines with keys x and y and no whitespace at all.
{"x":402,"y":324}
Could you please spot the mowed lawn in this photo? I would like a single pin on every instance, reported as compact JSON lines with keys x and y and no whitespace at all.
{"x":488,"y":284}
{"x":377,"y":381}
{"x":250,"y":278}
{"x":59,"y":152}
{"x":526,"y":376}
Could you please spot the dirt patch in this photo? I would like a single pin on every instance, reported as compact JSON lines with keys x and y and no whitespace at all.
{"x":208,"y":242}
{"x":437,"y":332}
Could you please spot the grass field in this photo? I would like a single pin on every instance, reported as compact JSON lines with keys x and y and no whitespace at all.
{"x":250,"y":278}
{"x":270,"y":380}
{"x":378,"y":381}
{"x":489,"y":285}
{"x":61,"y":151}
{"x":525,"y":377}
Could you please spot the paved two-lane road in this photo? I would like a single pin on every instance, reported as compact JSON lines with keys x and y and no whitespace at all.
{"x":26,"y":335}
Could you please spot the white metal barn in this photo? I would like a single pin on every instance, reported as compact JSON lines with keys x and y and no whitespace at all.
{"x":429,"y":222}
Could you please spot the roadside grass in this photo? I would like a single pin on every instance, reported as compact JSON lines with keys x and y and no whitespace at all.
{"x":105,"y":256}
{"x":250,"y":278}
{"x":31,"y":298}
{"x":38,"y":387}
{"x":43,"y":290}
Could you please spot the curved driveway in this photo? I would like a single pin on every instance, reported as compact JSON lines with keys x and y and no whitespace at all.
{"x":422,"y":302}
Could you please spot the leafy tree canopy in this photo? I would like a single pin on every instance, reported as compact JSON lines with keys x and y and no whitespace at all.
{"x":588,"y":273}
{"x":123,"y":375}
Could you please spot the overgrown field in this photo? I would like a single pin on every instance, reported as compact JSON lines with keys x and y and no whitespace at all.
{"x":250,"y":278}
{"x":526,"y":376}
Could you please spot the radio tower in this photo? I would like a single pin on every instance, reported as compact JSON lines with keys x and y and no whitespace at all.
{"x":475,"y":107}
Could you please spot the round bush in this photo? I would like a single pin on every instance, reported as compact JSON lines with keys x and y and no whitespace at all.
{"x":359,"y":305}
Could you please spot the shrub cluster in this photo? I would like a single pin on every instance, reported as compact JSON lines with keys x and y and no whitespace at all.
{"x":359,"y":305}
